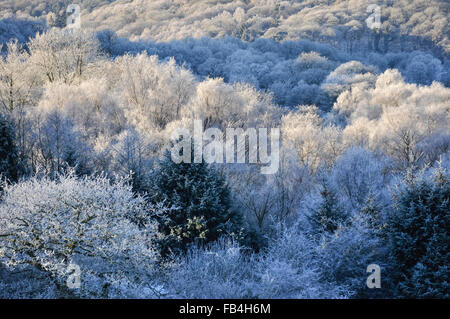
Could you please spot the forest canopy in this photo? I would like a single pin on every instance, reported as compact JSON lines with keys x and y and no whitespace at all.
{"x":88,"y":115}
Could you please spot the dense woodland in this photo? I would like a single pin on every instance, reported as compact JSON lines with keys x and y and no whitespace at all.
{"x":87,"y":118}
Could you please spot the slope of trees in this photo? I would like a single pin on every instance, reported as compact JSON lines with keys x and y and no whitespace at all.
{"x":87,"y":118}
{"x":405,"y":25}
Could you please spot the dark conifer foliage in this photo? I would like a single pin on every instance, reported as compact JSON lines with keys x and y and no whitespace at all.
{"x":9,"y":161}
{"x":200,"y":201}
{"x":419,"y":231}
{"x":329,"y":214}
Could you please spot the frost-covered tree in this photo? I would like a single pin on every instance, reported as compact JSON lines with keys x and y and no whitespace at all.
{"x":407,"y":122}
{"x":92,"y":106}
{"x":348,"y":74}
{"x":217,"y":103}
{"x":63,"y":55}
{"x":59,"y":146}
{"x":19,"y":91}
{"x":152,"y":93}
{"x":17,"y":83}
{"x":132,"y":155}
{"x":358,"y":174}
{"x":51,"y":224}
{"x":315,"y":142}
{"x":423,"y":69}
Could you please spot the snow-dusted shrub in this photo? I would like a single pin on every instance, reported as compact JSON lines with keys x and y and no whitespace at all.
{"x":291,"y":268}
{"x":219,"y":270}
{"x":84,"y":222}
{"x":357,"y":174}
{"x":288,"y":269}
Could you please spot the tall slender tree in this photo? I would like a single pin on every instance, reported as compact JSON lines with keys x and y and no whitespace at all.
{"x":9,"y":163}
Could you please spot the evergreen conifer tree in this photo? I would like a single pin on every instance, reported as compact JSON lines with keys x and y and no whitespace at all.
{"x":9,"y":163}
{"x":329,"y":213}
{"x":200,"y":201}
{"x":419,"y":230}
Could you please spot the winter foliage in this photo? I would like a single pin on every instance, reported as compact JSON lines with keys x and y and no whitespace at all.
{"x":52,"y":224}
{"x":90,"y":195}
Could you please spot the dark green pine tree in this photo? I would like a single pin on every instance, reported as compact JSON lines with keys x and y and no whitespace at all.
{"x":419,"y":229}
{"x":329,"y":214}
{"x":372,"y":212}
{"x":201,"y":204}
{"x":9,"y":162}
